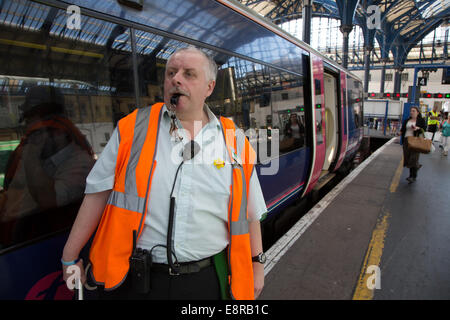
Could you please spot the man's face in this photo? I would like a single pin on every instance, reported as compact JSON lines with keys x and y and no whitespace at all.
{"x":185,"y":74}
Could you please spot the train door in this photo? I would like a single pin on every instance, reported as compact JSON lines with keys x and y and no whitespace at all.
{"x":333,"y":126}
{"x":331,"y":120}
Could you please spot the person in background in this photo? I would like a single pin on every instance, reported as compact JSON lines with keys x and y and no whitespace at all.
{"x":295,"y":129}
{"x":45,"y":175}
{"x":433,"y":121}
{"x":413,"y":126}
{"x":446,"y":135}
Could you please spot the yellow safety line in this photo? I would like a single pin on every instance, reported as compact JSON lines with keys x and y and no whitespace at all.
{"x":376,"y":245}
{"x":373,"y":258}
{"x":397,"y":175}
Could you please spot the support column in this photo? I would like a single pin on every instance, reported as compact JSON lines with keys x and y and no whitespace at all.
{"x":345,"y":29}
{"x":446,"y":44}
{"x":383,"y":77}
{"x":398,"y":79}
{"x":384,"y":60}
{"x":306,"y":19}
{"x":367,"y":52}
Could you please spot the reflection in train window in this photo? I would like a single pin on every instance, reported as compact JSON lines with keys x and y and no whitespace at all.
{"x":243,"y":93}
{"x":261,"y":99}
{"x":355,"y":102}
{"x":59,"y":107}
{"x":152,"y":52}
{"x":288,"y":109}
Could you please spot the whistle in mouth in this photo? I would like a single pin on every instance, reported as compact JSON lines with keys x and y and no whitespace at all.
{"x":174,"y":100}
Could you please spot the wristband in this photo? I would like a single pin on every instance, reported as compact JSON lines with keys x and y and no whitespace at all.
{"x":70,"y":263}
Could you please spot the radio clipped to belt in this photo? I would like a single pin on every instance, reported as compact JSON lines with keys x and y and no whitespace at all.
{"x":140,"y":265}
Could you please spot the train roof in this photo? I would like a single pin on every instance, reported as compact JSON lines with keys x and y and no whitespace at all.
{"x":212,"y":24}
{"x":282,"y":33}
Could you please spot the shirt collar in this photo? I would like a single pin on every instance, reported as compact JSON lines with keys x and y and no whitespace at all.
{"x":213,"y":121}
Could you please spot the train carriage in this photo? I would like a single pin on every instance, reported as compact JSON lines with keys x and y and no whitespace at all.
{"x":94,"y":62}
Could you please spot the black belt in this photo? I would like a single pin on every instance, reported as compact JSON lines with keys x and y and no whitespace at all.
{"x":184,"y":267}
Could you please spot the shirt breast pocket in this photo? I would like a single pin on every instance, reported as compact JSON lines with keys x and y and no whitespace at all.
{"x":213,"y":185}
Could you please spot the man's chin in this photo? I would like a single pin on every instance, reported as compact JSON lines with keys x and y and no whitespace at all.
{"x":182,"y":107}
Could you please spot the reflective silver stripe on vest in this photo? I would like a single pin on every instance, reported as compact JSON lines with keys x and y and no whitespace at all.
{"x":126,"y":201}
{"x":241,"y":226}
{"x":140,"y":133}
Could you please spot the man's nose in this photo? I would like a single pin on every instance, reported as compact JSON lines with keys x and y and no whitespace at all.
{"x":176,"y":79}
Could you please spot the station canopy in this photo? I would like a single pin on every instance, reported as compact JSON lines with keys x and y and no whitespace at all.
{"x":403,"y":23}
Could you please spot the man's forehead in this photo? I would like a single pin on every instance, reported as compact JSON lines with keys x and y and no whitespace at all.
{"x":186,"y":59}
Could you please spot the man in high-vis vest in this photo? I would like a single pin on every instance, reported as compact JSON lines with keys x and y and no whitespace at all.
{"x":177,"y":186}
{"x":433,"y":121}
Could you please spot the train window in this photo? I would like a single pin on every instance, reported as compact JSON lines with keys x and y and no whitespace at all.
{"x":262,"y":99}
{"x":62,"y":92}
{"x":152,"y":52}
{"x":243,"y":93}
{"x":318,"y":110}
{"x":288,"y":110}
{"x":355,"y":102}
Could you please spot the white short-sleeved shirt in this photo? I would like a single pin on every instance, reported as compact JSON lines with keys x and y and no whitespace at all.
{"x":409,"y":128}
{"x":202,"y":192}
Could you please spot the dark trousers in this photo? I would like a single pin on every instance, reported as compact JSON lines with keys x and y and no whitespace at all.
{"x":413,"y":172}
{"x":202,"y":285}
{"x":432,"y":128}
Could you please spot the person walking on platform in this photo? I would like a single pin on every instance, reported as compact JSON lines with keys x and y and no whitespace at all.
{"x":171,"y":223}
{"x":433,"y":121}
{"x":413,"y":126}
{"x":446,"y":135}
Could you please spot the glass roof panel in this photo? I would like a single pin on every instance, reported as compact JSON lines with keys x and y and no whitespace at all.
{"x":435,"y":8}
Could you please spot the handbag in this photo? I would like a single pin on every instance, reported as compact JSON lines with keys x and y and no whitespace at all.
{"x":419,"y":144}
{"x":286,"y":144}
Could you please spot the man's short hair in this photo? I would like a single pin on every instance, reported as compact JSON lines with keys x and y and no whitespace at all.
{"x":211,"y":67}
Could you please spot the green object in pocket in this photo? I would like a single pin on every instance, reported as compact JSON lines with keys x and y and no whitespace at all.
{"x":221,"y":265}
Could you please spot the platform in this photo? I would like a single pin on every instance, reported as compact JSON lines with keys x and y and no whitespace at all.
{"x":372,"y":218}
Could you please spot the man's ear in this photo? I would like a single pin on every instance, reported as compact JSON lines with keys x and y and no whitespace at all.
{"x":210,"y":88}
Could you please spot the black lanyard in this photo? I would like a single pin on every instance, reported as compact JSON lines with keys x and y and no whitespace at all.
{"x":190,"y":150}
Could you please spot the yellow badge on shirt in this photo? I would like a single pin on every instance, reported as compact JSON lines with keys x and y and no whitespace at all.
{"x":219,"y":163}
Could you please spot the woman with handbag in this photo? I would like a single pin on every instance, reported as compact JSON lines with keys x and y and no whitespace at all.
{"x":446,"y":135}
{"x":294,"y":132}
{"x":412,"y":127}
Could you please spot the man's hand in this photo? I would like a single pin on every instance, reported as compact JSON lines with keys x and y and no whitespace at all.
{"x":71,"y":274}
{"x":258,"y":278}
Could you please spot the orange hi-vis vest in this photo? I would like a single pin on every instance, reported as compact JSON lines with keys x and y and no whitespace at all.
{"x":127,"y":204}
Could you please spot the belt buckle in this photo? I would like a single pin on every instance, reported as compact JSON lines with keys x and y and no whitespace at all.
{"x":173,"y":272}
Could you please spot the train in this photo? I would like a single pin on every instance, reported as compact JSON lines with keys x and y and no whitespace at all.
{"x":104,"y":59}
